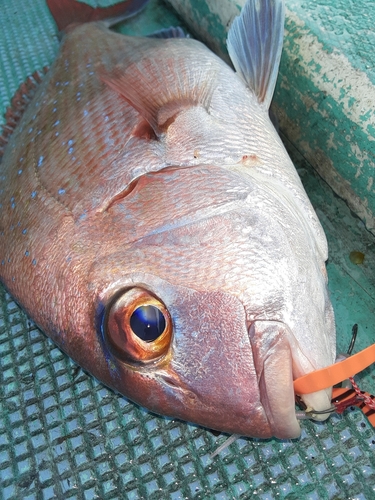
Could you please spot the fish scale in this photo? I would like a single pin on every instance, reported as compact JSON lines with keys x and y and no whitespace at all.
{"x":70,"y":126}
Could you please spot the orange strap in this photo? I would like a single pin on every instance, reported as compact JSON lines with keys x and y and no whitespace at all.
{"x":333,"y":374}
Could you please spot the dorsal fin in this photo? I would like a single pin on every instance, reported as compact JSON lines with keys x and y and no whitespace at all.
{"x":67,"y":12}
{"x":159,"y":87}
{"x":18,"y":105}
{"x":255,"y":44}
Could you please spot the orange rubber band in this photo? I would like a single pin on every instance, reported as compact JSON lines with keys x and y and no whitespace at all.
{"x":333,"y":374}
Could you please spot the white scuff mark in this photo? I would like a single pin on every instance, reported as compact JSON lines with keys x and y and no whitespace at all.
{"x":362,"y":158}
{"x":331,"y":142}
{"x":225,"y":9}
{"x":284,"y":82}
{"x":336,"y":76}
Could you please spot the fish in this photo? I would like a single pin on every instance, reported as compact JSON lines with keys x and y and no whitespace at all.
{"x":154,"y":227}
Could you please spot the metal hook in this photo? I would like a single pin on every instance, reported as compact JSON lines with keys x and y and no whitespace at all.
{"x":352,"y":342}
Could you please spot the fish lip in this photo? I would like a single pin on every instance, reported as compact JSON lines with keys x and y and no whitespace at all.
{"x":273,"y":361}
{"x":318,"y":402}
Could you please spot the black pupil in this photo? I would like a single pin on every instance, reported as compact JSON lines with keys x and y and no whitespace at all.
{"x":148,"y":323}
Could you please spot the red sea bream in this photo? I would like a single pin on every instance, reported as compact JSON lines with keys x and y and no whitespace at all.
{"x":153,"y":225}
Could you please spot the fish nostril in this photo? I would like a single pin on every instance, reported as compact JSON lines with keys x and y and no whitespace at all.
{"x":175,"y":383}
{"x":171,"y":381}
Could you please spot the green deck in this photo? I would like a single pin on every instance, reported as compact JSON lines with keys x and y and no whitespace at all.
{"x":63,"y":435}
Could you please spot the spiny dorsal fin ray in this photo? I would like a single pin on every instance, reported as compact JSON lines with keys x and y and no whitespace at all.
{"x":255,"y":44}
{"x":160,"y":88}
{"x":18,"y":106}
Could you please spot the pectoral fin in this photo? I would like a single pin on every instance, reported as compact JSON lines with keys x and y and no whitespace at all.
{"x":162,"y":84}
{"x":255,"y":42}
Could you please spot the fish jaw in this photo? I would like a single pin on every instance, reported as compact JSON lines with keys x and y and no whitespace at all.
{"x":277,"y":358}
{"x":216,"y":387}
{"x":203,"y":379}
{"x":218,"y":372}
{"x":247,"y":391}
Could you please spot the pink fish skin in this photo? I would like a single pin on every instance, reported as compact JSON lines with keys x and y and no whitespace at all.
{"x":146,"y":177}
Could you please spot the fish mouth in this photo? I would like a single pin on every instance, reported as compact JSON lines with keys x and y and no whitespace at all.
{"x":276,"y":363}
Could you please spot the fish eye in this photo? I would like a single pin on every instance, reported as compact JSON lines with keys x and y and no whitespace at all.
{"x":137,"y":326}
{"x":147,"y":322}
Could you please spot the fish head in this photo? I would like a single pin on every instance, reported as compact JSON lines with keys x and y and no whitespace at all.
{"x":204,"y":315}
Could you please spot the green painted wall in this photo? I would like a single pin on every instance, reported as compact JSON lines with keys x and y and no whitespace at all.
{"x":325,"y":97}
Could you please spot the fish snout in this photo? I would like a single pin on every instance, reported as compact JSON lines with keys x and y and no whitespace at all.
{"x":191,"y":354}
{"x":277,"y":358}
{"x":217,"y":376}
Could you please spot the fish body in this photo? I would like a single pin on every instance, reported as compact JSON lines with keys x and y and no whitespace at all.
{"x":146,"y":183}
